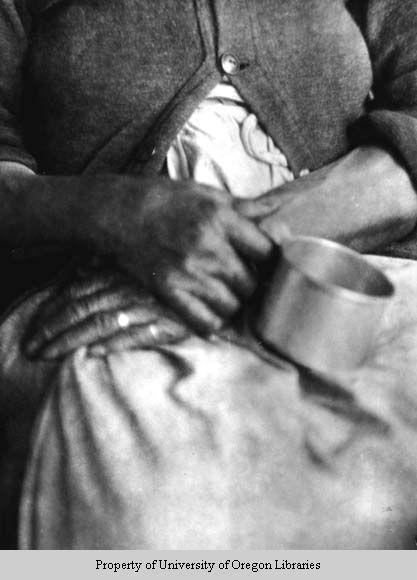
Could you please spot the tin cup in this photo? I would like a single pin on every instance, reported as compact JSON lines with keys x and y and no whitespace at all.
{"x":323,"y":305}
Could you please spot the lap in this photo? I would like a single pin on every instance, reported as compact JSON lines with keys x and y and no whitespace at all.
{"x":209,"y":445}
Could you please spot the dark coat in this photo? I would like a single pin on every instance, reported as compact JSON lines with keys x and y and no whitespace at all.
{"x":96,"y":85}
{"x":105,"y":85}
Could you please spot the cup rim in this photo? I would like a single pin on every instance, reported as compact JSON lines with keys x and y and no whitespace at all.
{"x":331,"y":288}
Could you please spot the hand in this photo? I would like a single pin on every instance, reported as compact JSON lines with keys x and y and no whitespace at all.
{"x":187,"y":244}
{"x":105,"y":312}
{"x":364,"y":200}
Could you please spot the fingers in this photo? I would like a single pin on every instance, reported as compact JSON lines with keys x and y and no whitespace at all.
{"x":204,"y":280}
{"x":99,"y":327}
{"x":158,"y":333}
{"x":218,"y":260}
{"x":53,"y":321}
{"x":90,"y":285}
{"x":280,"y":233}
{"x":82,"y":289}
{"x":252,"y":209}
{"x":246,"y":237}
{"x":217,"y":296}
{"x":209,"y":289}
{"x":234,"y":272}
{"x":193,"y":310}
{"x":255,"y":209}
{"x":201,"y":297}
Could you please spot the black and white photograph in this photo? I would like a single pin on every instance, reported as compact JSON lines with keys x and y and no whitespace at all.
{"x":208,"y":245}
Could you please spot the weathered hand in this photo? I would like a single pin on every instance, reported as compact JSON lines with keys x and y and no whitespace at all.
{"x":187,"y":244}
{"x":105,"y":312}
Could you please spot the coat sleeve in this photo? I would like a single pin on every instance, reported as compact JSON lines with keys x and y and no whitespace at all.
{"x":14,"y":26}
{"x":390,"y":30}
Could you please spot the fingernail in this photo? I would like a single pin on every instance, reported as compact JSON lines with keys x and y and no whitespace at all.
{"x":171,"y":331}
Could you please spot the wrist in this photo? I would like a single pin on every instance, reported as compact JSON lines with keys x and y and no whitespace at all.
{"x":365,"y":200}
{"x":72,"y":211}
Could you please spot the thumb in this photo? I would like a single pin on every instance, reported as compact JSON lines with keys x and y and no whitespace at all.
{"x":263,"y":206}
{"x":281,"y":232}
{"x":250,"y":209}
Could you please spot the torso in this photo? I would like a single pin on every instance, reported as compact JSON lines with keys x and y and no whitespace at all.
{"x":110,"y":84}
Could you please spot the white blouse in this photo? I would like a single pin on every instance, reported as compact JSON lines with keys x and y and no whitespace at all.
{"x":223,"y":145}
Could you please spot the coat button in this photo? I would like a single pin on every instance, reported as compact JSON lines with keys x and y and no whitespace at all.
{"x":230,"y":63}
